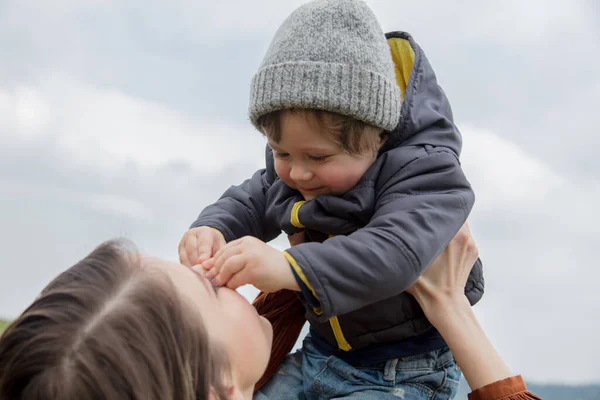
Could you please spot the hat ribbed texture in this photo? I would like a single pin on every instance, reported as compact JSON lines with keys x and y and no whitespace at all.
{"x":329,"y":55}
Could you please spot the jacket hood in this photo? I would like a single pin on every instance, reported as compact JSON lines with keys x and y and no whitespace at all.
{"x":426,"y":115}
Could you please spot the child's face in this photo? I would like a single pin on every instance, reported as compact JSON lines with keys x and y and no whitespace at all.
{"x":309,"y":161}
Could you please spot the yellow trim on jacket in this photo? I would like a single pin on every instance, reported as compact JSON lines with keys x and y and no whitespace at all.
{"x":295,"y":219}
{"x":403,"y":56}
{"x":339,"y":335}
{"x":303,"y":278}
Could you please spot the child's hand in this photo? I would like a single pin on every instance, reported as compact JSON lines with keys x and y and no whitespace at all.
{"x":199,"y":244}
{"x":251,"y":261}
{"x":296,"y":238}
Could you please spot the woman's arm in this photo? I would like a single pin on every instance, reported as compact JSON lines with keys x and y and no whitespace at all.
{"x":440,"y":292}
{"x":455,"y":320}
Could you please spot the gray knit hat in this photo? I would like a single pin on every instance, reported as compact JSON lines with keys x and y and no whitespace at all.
{"x":330,"y":55}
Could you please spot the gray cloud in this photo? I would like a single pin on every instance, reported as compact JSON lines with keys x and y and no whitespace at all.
{"x":125,"y":119}
{"x":55,"y":212}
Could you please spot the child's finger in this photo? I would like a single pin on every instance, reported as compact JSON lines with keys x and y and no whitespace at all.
{"x":183,"y":257}
{"x":204,"y":253}
{"x":237,"y":280}
{"x":215,"y":264}
{"x":204,"y":249}
{"x":208,"y":264}
{"x":224,"y":254}
{"x":296,"y":238}
{"x":232,"y":266}
{"x":211,"y":273}
{"x":191,"y":249}
{"x":231,"y":245}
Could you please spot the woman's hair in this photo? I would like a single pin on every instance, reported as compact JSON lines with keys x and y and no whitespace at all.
{"x":352,"y":135}
{"x":109,"y":329}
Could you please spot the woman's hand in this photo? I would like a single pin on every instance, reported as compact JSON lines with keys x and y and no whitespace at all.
{"x":441,"y":293}
{"x":443,"y":283}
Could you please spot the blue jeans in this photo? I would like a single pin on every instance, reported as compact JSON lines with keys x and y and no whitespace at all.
{"x":308,"y":374}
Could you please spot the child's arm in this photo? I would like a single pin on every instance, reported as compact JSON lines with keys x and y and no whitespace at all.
{"x":240,"y":211}
{"x":420,"y":209}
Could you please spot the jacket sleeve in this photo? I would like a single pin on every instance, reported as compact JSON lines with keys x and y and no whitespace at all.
{"x":419,"y":210}
{"x":240,"y":211}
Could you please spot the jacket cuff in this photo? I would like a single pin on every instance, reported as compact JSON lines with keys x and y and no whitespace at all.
{"x":295,"y":215}
{"x":305,"y":287}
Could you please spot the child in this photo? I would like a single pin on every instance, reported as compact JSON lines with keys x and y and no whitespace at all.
{"x":363,"y":162}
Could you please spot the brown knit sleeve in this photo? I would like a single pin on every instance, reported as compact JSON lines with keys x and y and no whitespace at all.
{"x":512,"y":388}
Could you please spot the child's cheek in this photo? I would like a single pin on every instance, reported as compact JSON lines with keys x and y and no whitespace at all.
{"x":283,"y":172}
{"x":340,"y":180}
{"x":336,"y":178}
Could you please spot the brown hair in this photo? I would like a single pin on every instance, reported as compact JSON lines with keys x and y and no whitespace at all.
{"x":285,"y":312}
{"x":352,"y":135}
{"x":105,"y":329}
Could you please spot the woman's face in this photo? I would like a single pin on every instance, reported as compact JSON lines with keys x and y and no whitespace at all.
{"x":229,"y":319}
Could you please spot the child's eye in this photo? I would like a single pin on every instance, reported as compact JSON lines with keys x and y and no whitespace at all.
{"x":280,"y":155}
{"x":318,"y":158}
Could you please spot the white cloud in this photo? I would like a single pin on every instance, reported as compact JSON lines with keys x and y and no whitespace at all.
{"x":30,"y":111}
{"x":537,"y":234}
{"x":104,"y":203}
{"x":511,"y":22}
{"x":504,"y":174}
{"x":106,"y":127}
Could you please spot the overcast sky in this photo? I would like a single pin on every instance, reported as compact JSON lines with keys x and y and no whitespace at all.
{"x":127,"y":118}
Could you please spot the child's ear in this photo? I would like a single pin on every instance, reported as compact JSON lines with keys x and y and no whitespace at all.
{"x":383,"y":137}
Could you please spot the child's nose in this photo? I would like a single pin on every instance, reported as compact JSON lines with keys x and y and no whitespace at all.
{"x":300,"y":173}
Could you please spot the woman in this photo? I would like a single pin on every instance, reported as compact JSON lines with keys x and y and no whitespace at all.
{"x":120,"y":325}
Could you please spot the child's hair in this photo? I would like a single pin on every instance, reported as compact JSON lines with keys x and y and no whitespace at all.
{"x":354,"y":136}
{"x":106,"y":329}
